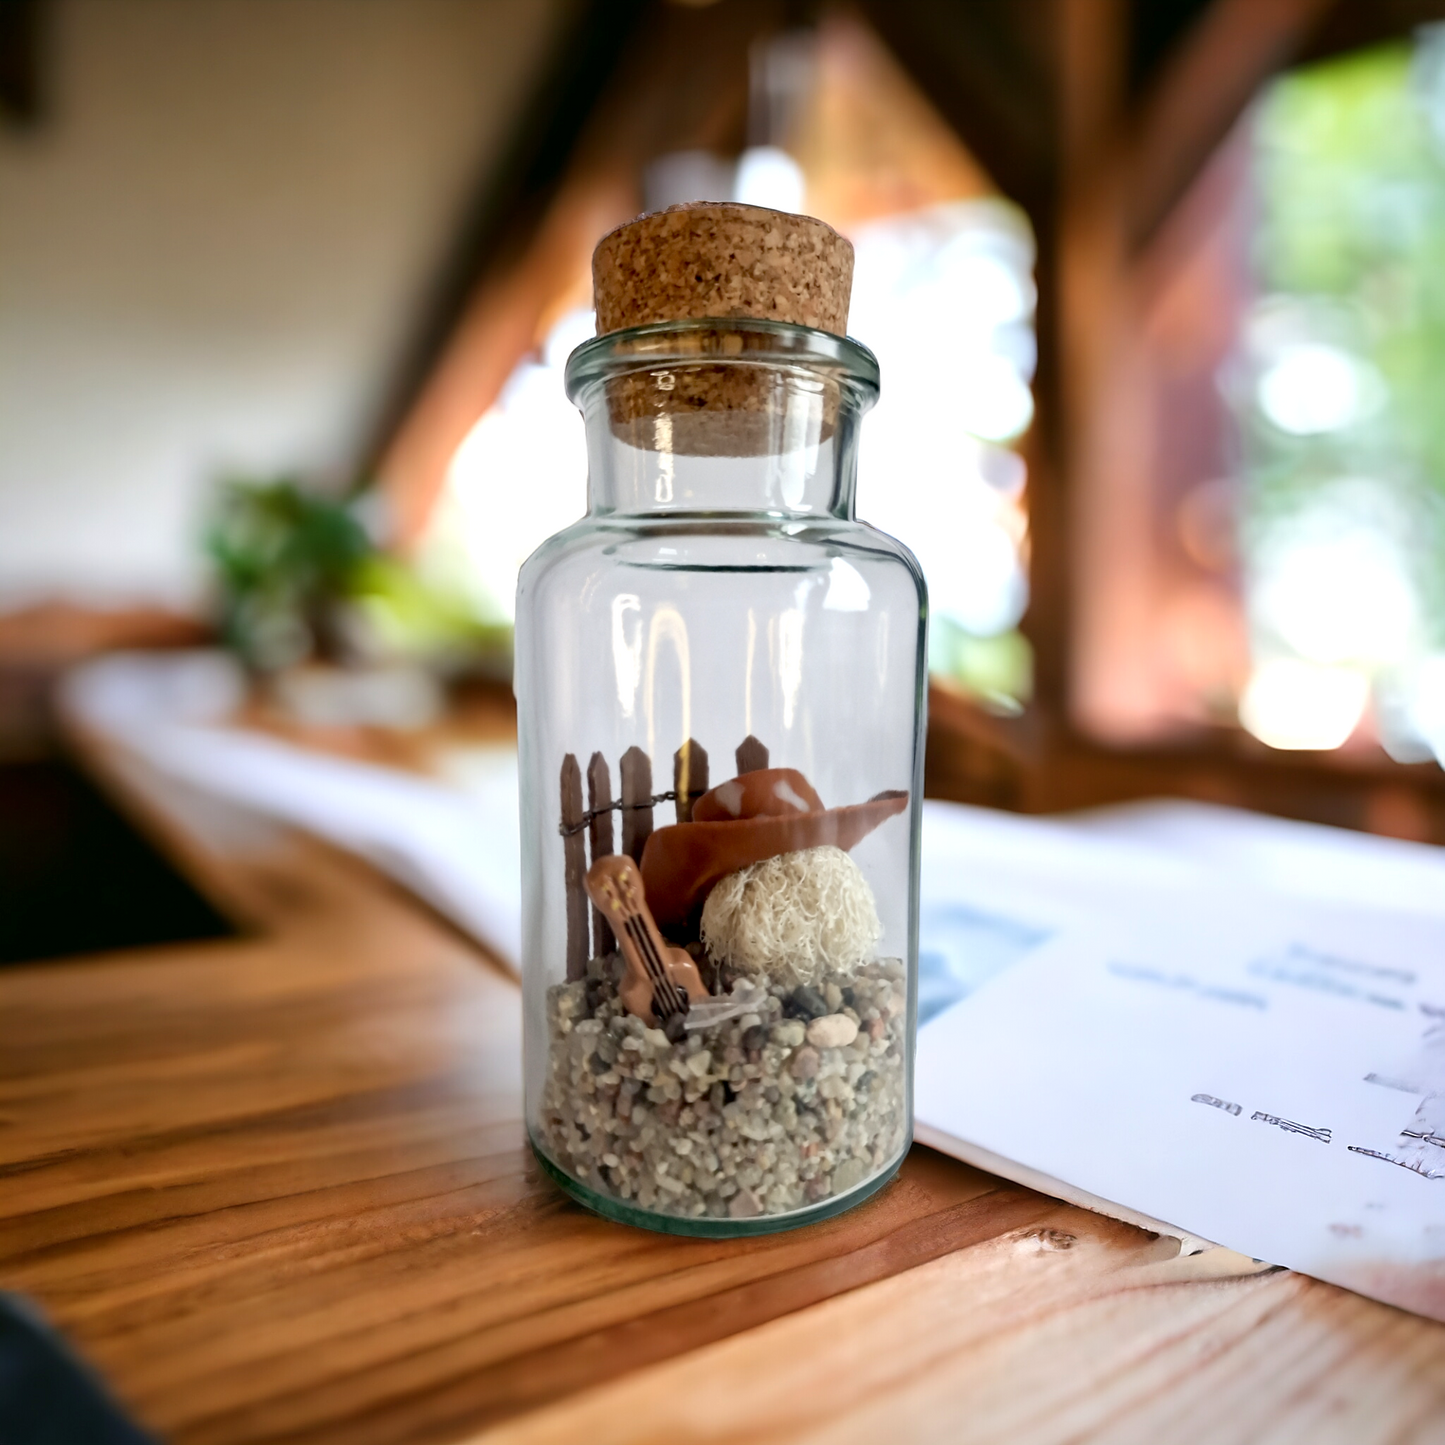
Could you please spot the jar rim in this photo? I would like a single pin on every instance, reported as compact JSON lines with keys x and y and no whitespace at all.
{"x":709,"y":340}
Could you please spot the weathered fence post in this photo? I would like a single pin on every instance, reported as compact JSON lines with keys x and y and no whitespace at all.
{"x":636,"y":770}
{"x":574,"y":853}
{"x":599,"y":804}
{"x":752,"y":756}
{"x":689,"y":777}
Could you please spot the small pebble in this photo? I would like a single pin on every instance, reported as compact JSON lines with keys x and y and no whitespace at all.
{"x":790,"y":1033}
{"x":807,"y":1003}
{"x":743,"y":1120}
{"x":834,"y":1031}
{"x":804,"y":1064}
{"x":744,"y":1205}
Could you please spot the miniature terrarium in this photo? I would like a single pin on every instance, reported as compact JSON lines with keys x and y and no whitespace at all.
{"x":720,"y":683}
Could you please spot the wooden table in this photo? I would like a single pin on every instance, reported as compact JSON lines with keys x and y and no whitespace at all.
{"x":277,"y":1189}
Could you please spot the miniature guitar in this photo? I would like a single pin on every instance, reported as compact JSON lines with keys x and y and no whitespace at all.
{"x":661,"y":982}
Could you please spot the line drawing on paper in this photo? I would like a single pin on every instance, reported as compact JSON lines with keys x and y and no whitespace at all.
{"x":1412,"y":1164}
{"x":1290,"y":1127}
{"x":1215,"y":1103}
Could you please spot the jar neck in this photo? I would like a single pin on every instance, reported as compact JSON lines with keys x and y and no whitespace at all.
{"x":731,"y":417}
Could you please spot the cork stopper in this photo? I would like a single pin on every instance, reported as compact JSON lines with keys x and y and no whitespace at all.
{"x":722,"y":259}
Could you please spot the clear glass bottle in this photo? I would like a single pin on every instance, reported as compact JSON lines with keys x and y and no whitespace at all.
{"x":720,"y":677}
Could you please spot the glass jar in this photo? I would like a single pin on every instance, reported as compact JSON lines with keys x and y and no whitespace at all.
{"x":720,"y":677}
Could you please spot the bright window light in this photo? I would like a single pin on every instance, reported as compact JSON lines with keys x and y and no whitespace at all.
{"x":1342,"y":599}
{"x":769,"y":176}
{"x":519,"y":475}
{"x":1426,"y":704}
{"x":1315,"y":388}
{"x":945,"y":297}
{"x":1294,"y":704}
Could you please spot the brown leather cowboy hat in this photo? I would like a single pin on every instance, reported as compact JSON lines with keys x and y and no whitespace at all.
{"x":754,"y":816}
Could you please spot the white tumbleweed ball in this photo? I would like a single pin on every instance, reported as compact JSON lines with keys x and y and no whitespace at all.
{"x":792,"y":915}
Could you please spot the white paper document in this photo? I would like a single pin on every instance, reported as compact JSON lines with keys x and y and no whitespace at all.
{"x":1257,"y":1070}
{"x":452,"y":840}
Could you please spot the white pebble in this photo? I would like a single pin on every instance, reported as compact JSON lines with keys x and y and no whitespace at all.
{"x":789,"y":1033}
{"x":832,"y":1031}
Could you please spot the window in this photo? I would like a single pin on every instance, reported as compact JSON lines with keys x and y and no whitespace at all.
{"x":1336,"y":384}
{"x":943,"y":292}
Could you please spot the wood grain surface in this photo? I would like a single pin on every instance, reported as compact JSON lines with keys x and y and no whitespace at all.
{"x":277,"y":1189}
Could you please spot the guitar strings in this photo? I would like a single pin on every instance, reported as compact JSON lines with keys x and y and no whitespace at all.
{"x":662,"y":992}
{"x":667,"y":998}
{"x":666,"y":995}
{"x":663,"y":996}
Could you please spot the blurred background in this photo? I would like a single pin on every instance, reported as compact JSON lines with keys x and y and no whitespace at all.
{"x":1157,"y":287}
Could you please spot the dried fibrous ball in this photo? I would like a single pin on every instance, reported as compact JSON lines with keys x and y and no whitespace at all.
{"x":792,"y":916}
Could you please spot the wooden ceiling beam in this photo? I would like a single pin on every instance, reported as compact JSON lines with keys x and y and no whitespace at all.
{"x":21,"y":46}
{"x":1358,"y":23}
{"x":509,"y":199}
{"x":985,"y":66}
{"x":680,"y":82}
{"x":1199,"y":93}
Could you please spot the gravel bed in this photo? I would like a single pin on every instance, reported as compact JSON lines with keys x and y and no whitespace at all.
{"x":779,"y":1109}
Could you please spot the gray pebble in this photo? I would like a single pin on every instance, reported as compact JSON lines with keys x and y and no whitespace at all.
{"x":807,"y":1003}
{"x":745,"y":1205}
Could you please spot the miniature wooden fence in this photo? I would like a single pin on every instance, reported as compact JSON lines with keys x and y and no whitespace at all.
{"x":593,"y":825}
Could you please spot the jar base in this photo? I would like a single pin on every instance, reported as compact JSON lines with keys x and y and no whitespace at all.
{"x":622,"y":1211}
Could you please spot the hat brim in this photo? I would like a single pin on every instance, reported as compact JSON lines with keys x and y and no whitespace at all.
{"x":682,"y":862}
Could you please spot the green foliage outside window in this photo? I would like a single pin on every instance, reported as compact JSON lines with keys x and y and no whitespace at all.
{"x":1340,"y":381}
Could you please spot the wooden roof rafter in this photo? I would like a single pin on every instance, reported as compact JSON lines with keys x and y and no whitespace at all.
{"x":677,"y":79}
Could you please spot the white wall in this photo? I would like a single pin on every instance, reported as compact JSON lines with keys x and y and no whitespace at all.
{"x":212,"y":250}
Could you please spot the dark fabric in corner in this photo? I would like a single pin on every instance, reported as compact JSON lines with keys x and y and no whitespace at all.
{"x":48,"y":1396}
